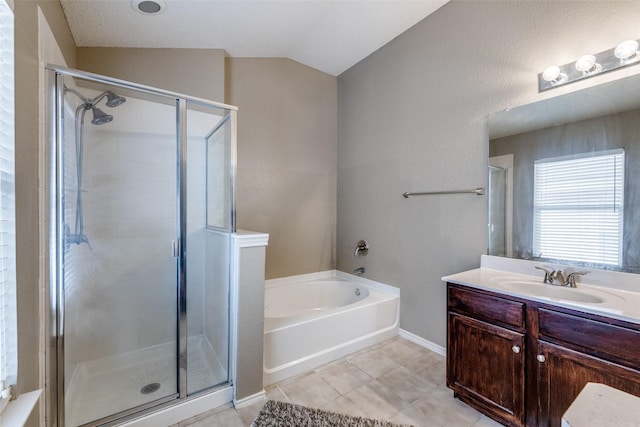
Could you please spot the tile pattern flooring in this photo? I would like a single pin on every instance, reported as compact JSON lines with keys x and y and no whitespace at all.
{"x":396,"y":380}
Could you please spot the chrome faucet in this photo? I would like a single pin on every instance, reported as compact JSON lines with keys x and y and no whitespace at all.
{"x":556,"y":275}
{"x":362,"y":248}
{"x":571,"y":278}
{"x":547,"y":274}
{"x":551,"y":276}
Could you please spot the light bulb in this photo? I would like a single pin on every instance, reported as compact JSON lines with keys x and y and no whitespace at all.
{"x":626,"y":51}
{"x":587,"y":65}
{"x":553,"y":75}
{"x":550,"y":74}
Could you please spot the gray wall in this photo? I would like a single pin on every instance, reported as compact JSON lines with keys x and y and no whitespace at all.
{"x":412,"y":117}
{"x":286,"y":160}
{"x":620,"y":130}
{"x":195,"y":72}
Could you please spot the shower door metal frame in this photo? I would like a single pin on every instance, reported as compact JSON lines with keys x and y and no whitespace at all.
{"x":55,"y":334}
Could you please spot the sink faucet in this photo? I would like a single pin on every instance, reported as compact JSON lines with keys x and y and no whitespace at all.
{"x":571,"y":278}
{"x":556,"y":275}
{"x":547,"y":274}
{"x":551,"y":276}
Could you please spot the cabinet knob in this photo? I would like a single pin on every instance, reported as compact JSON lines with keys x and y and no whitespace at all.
{"x":541,"y":358}
{"x":516,"y":349}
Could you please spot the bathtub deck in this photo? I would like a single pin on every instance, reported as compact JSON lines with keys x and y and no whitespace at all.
{"x":395,"y":380}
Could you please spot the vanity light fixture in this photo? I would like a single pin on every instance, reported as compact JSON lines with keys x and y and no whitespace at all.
{"x":626,"y":53}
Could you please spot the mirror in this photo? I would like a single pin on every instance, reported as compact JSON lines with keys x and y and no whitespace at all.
{"x":578,"y":125}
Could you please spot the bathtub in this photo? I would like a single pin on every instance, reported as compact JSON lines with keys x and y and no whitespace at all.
{"x":314,"y":319}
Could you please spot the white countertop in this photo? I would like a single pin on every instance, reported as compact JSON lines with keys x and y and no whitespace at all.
{"x":617,"y":303}
{"x":599,"y":405}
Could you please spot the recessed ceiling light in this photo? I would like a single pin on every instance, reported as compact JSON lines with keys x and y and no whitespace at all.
{"x":148,"y":7}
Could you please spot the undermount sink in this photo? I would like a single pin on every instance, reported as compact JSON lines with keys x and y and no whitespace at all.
{"x":554,"y":292}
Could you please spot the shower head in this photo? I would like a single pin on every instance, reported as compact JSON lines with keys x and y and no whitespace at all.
{"x":100,"y":117}
{"x":114,"y":100}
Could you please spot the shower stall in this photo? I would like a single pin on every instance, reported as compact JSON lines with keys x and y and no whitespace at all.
{"x":142,"y":213}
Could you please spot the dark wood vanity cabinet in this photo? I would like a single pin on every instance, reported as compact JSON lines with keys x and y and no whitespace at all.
{"x":486,"y":333}
{"x":574,"y":349}
{"x":523,"y":363}
{"x":487,"y":370}
{"x":564,"y":373}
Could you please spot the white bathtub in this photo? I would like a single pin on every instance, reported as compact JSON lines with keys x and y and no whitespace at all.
{"x":314,"y":319}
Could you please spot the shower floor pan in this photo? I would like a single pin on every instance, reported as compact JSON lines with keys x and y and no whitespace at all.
{"x":103,"y":387}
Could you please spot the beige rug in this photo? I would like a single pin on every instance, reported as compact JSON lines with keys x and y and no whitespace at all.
{"x":281,"y":414}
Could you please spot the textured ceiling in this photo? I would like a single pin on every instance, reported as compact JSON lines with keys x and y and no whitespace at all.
{"x":329,"y":35}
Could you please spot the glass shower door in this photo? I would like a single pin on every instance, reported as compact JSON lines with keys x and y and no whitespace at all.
{"x":208,"y":230}
{"x":118,"y":216}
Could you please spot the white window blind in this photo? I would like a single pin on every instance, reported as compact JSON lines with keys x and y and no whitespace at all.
{"x":578,"y":208}
{"x":8,"y":340}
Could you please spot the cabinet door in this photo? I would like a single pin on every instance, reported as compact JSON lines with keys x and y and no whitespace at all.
{"x":485,"y":367}
{"x":563,"y":373}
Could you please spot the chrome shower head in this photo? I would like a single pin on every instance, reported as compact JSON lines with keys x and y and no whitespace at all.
{"x":114,"y":100}
{"x":100,"y":117}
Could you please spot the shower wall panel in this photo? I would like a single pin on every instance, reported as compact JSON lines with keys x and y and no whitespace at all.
{"x":207,"y":289}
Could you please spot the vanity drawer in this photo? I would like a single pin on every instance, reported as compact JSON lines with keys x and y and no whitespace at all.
{"x":485,"y":306}
{"x":606,"y":341}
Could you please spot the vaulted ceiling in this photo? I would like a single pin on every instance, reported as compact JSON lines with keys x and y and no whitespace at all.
{"x":329,"y":35}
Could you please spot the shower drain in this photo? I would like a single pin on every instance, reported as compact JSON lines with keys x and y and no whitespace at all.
{"x":150,"y":388}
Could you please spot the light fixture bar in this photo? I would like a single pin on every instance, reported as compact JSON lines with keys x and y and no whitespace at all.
{"x":623,"y":55}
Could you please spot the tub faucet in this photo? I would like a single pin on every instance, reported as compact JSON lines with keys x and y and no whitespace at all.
{"x":362,"y":248}
{"x":359,"y":270}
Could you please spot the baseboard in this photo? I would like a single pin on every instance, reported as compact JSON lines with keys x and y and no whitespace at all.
{"x":423,"y":342}
{"x":250,"y":400}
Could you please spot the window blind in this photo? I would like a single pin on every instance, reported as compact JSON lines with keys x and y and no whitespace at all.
{"x":8,"y":333}
{"x":578,"y":208}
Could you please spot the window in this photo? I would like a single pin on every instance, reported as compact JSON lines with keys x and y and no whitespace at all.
{"x":8,"y":341}
{"x":578,"y":208}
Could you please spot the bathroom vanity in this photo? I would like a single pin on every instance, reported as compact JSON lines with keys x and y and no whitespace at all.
{"x":521,"y":351}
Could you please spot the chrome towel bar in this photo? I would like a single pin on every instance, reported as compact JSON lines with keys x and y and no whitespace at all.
{"x":477,"y":191}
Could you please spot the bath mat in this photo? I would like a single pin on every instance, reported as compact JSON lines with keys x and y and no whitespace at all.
{"x":282,"y":414}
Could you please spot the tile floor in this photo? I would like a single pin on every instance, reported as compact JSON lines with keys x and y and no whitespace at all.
{"x":396,"y":380}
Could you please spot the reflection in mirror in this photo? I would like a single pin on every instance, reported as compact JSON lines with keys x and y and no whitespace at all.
{"x":564,"y":180}
{"x":497,"y":241}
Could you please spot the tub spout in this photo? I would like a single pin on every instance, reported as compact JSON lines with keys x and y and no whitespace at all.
{"x":359,"y":270}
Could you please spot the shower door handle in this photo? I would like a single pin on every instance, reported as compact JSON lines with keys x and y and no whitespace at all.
{"x":175,"y":248}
